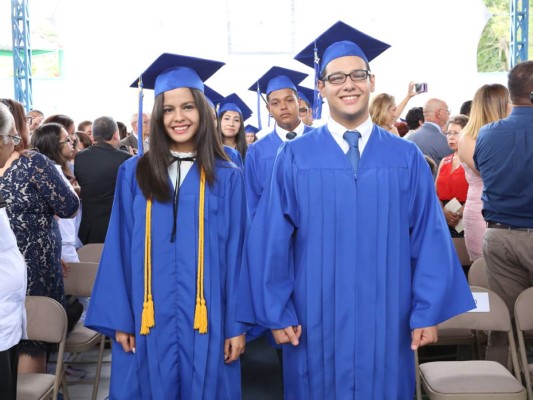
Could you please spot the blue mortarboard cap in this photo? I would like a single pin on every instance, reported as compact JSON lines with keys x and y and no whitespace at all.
{"x":212,"y":96}
{"x":340,"y":40}
{"x":277,"y":78}
{"x":172,"y":71}
{"x":306,"y":95}
{"x":250,"y":128}
{"x":235,"y":103}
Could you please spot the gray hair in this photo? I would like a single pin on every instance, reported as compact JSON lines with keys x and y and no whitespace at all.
{"x":104,"y":128}
{"x":7,"y":123}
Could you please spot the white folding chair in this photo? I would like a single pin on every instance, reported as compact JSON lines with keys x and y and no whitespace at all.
{"x":91,"y":252}
{"x":478,"y":379}
{"x":524,"y":322}
{"x":79,"y":282}
{"x":46,"y":322}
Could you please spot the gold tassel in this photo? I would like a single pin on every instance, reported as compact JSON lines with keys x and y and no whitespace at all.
{"x":148,"y":314}
{"x":200,"y":312}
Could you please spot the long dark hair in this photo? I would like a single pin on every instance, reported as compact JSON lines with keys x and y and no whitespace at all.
{"x":152,"y":169}
{"x":46,"y":140}
{"x":240,"y":138}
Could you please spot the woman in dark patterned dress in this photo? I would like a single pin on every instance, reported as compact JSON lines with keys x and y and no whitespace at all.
{"x":35,"y":193}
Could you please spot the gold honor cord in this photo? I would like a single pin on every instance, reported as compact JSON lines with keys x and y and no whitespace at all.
{"x":200,"y":312}
{"x":148,"y":320}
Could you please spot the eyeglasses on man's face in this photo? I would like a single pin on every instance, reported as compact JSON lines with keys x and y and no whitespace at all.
{"x":448,"y":110}
{"x":16,"y":139}
{"x":338,"y":78}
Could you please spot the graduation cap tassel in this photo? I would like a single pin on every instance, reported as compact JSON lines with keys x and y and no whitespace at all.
{"x":317,"y":101}
{"x":148,"y":318}
{"x":140,"y":119}
{"x":259,"y":107}
{"x":200,"y":312}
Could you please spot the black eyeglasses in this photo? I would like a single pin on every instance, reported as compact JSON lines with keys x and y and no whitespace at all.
{"x":29,"y":120}
{"x":16,"y":139}
{"x":338,"y":78}
{"x":67,"y":140}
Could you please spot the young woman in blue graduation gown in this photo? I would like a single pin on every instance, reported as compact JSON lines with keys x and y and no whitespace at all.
{"x":173,"y":261}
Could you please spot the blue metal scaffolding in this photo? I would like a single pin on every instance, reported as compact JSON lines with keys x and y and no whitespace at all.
{"x":20,"y":26}
{"x":519,"y":31}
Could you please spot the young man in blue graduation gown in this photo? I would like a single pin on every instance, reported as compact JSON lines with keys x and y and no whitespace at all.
{"x":279,"y":85}
{"x":350,"y":263}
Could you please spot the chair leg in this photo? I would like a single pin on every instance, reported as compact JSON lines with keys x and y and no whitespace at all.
{"x":98,"y":368}
{"x":64,"y":384}
{"x":417,"y":376}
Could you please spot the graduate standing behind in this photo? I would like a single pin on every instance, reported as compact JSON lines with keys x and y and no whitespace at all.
{"x":166,"y":285}
{"x":279,"y":86}
{"x":350,"y":261}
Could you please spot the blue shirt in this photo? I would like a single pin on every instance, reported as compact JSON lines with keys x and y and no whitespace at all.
{"x":504,"y":158}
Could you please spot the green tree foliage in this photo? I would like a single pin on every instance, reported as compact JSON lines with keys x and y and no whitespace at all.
{"x":493,"y":49}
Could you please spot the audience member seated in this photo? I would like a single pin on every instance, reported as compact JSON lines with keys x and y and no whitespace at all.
{"x":35,"y":194}
{"x":451,"y":182}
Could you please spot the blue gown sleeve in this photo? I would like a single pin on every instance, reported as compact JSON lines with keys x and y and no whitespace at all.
{"x":236,"y":221}
{"x":268,"y":252}
{"x":110,"y":308}
{"x":440,"y":289}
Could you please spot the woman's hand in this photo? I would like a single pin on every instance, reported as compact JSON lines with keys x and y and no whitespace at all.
{"x":452,"y":219}
{"x":233,"y":348}
{"x":127,"y":340}
{"x":65,"y":267}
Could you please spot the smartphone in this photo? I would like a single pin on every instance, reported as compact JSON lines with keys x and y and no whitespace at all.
{"x":421,"y":87}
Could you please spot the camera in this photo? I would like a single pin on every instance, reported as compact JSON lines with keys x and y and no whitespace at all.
{"x":421,"y":87}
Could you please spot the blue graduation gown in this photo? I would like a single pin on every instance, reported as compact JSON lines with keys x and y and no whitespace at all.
{"x":173,"y":361}
{"x":260,"y":158}
{"x":358,"y":263}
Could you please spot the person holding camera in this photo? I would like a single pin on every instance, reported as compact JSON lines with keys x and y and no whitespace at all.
{"x":96,"y":170}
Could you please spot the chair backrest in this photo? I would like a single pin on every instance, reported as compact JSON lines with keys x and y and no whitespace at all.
{"x":91,"y":252}
{"x":522,"y":310}
{"x":47,"y":322}
{"x":80,"y":279}
{"x":462,"y":253}
{"x":497,"y":319}
{"x":524,"y":322}
{"x":47,"y":319}
{"x":477,"y":274}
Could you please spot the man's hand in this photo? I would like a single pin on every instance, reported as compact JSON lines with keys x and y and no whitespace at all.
{"x":127,"y":340}
{"x":423,"y":336}
{"x":291,"y":334}
{"x":233,"y":348}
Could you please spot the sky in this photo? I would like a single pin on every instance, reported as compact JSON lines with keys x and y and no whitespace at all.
{"x":108,"y":43}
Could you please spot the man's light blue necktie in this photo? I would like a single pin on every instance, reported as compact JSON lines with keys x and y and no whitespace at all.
{"x":353,"y":152}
